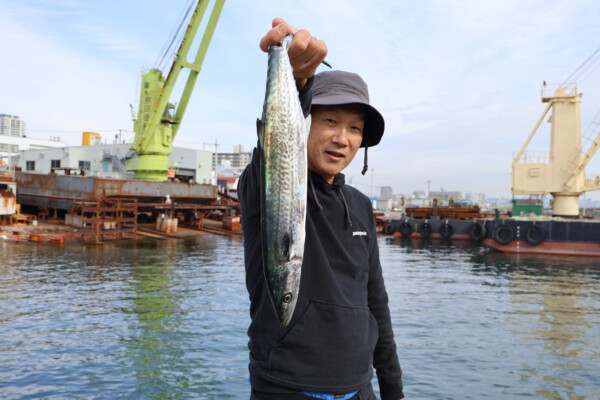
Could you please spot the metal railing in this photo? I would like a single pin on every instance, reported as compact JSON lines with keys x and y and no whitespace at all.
{"x":549,"y":90}
{"x":533,"y":157}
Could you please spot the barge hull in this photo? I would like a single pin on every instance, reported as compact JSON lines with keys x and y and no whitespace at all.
{"x":511,"y":235}
{"x":62,"y":191}
{"x":586,"y":249}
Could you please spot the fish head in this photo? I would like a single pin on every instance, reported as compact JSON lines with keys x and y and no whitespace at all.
{"x":285,"y":302}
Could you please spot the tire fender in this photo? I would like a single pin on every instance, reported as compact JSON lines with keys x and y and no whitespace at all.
{"x":389,"y":228}
{"x":405,"y":229}
{"x":477,"y":231}
{"x":535,"y":235}
{"x":446,"y":230}
{"x":425,"y":229}
{"x":504,"y":234}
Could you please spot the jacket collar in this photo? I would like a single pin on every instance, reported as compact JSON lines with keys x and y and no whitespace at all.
{"x":338,"y":180}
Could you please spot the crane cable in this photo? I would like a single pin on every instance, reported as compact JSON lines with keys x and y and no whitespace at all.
{"x":589,"y":72}
{"x":580,"y":71}
{"x":168,"y":48}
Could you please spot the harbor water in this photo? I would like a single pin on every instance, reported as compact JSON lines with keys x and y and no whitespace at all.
{"x":167,"y":319}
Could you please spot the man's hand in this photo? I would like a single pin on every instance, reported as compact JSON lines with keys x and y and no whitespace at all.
{"x":306,"y":52}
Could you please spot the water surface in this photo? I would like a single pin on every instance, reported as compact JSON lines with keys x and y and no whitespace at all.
{"x":166,"y":319}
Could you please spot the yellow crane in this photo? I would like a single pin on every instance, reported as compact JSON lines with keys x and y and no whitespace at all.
{"x":158,"y":119}
{"x":561,"y":171}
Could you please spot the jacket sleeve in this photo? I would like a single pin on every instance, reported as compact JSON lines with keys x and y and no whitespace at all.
{"x":385,"y":358}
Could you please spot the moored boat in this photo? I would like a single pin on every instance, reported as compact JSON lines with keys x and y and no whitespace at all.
{"x":536,"y":235}
{"x":552,"y":236}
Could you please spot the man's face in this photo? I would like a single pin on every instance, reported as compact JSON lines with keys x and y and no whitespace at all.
{"x":336,"y":133}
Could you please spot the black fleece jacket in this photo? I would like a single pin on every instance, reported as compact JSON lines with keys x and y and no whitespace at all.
{"x":341,"y":327}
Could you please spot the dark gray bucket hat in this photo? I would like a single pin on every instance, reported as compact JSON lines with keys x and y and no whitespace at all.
{"x":340,"y":87}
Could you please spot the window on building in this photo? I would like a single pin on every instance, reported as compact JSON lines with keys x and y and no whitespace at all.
{"x":30,"y":165}
{"x":12,"y":148}
{"x":54,"y":163}
{"x":86,"y":165}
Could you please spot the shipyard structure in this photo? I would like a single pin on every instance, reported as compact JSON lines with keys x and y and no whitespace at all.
{"x":107,"y":190}
{"x":559,"y":172}
{"x":91,"y":188}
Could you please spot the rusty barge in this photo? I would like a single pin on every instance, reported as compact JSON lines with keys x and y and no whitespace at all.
{"x":112,"y":209}
{"x":60,"y":193}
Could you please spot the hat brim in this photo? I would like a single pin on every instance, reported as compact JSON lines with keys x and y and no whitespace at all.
{"x":374,"y":122}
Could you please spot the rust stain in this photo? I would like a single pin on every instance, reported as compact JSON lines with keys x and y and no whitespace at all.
{"x":8,"y":202}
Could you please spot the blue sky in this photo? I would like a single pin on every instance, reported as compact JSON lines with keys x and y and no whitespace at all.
{"x":457,"y":81}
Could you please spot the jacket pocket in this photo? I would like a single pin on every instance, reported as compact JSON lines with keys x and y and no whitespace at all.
{"x":331,"y":346}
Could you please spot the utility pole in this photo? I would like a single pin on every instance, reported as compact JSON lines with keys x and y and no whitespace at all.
{"x":216,"y":154}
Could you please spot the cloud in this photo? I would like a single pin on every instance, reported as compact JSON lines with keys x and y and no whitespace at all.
{"x":53,"y":87}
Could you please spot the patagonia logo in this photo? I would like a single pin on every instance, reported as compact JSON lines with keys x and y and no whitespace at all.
{"x":359,"y":233}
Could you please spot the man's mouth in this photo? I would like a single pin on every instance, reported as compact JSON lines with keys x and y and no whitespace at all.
{"x":335,"y":154}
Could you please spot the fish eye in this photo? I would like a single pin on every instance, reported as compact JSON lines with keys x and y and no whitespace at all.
{"x":287,"y":297}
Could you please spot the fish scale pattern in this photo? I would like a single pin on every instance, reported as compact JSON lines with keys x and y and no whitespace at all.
{"x":282,"y":137}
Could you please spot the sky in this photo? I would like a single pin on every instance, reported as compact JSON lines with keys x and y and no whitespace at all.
{"x":457,"y":81}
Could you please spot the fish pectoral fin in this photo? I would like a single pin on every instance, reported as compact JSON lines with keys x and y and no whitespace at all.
{"x":286,"y":242}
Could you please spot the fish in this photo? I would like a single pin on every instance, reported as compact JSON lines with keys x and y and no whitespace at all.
{"x":283,"y":132}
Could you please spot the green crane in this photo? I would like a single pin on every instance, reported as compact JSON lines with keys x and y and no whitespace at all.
{"x":158,"y":120}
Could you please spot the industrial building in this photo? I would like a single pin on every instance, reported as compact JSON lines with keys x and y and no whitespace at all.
{"x":110,"y":161}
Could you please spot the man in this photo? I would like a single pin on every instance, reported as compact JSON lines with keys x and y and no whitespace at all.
{"x":341,"y":327}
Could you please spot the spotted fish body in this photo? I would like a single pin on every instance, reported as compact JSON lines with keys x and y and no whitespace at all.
{"x":283,"y":132}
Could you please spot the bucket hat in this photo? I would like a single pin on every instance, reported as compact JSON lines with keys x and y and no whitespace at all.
{"x":341,"y":87}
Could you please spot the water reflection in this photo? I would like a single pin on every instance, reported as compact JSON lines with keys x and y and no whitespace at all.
{"x":531,"y":320}
{"x":551,"y":308}
{"x":435,"y":245}
{"x":173,"y":345}
{"x":537,"y":262}
{"x":156,"y":345}
{"x":10,"y":280}
{"x":167,"y":319}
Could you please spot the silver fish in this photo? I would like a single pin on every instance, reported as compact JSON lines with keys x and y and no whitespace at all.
{"x":283,"y":132}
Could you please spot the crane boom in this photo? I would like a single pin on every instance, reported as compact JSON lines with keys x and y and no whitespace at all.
{"x":158,"y":119}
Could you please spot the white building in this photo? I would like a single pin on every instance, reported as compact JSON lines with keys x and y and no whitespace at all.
{"x":236,"y":160}
{"x":109,"y":161}
{"x":11,"y":125}
{"x":13,"y":139}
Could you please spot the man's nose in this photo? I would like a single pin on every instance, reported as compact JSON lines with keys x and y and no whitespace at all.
{"x":341,"y":136}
